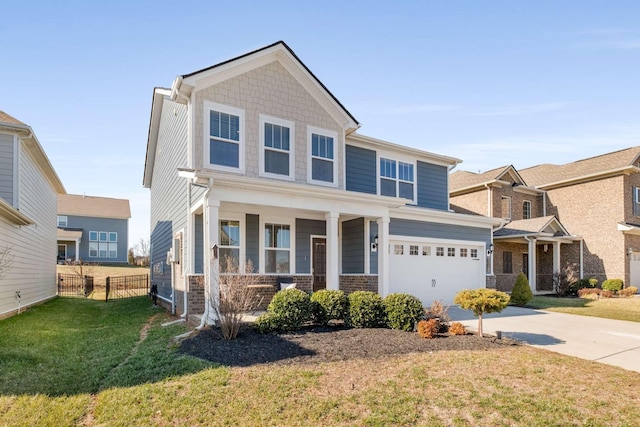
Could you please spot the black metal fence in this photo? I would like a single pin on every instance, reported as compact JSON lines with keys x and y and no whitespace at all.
{"x":127,"y":287}
{"x":71,"y":285}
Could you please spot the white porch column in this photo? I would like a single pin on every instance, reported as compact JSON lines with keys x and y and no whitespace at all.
{"x":556,"y":257}
{"x":532,"y":265}
{"x":333,"y":270}
{"x":383,"y":256}
{"x":77,"y":250}
{"x":211,"y":265}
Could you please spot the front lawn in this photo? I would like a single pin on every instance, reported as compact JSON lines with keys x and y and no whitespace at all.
{"x":608,"y":308}
{"x":84,"y":362}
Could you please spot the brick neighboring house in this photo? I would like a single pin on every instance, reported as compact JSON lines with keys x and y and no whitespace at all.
{"x":586,"y":214}
{"x":94,"y":229}
{"x":530,"y":240}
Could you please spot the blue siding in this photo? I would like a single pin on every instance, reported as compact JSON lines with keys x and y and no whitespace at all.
{"x":353,"y":246}
{"x":373,"y":256}
{"x":361,"y":170}
{"x":405,"y":227}
{"x":432,"y":186}
{"x":198,"y":229}
{"x":6,"y":168}
{"x":87,"y":224}
{"x":161,"y":236}
{"x":305,"y":228}
{"x":253,"y":240}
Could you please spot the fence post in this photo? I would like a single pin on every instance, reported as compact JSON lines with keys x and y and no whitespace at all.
{"x":106,"y":296}
{"x":59,"y":280}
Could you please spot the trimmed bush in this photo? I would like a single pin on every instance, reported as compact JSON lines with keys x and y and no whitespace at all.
{"x":482,"y":301}
{"x":628,"y":292}
{"x":292,"y":307}
{"x":593,"y":282}
{"x":612,"y":284}
{"x":366,"y":310}
{"x":403,"y":311}
{"x":457,"y":328}
{"x":589,"y":293}
{"x":428,"y":328}
{"x":605,"y":293}
{"x":329,"y":305}
{"x":268,"y":323}
{"x":521,"y":293}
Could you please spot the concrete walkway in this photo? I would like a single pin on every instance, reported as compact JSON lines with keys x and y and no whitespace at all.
{"x":614,"y":342}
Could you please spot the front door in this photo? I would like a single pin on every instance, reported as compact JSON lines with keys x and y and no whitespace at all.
{"x":319,"y":267}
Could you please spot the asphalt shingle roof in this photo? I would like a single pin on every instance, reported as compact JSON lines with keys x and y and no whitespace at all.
{"x":97,"y":207}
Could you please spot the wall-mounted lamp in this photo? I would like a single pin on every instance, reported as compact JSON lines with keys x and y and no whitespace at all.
{"x":629,"y":251}
{"x":214,"y":251}
{"x":545,"y":248}
{"x":374,"y":244}
{"x":490,"y":250}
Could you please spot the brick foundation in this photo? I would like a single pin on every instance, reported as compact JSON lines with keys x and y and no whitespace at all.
{"x":353,"y":283}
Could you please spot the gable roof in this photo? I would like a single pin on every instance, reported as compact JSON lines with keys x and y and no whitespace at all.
{"x":92,"y":206}
{"x":5,"y":118}
{"x":464,"y":181}
{"x":551,"y":175}
{"x":548,"y":225}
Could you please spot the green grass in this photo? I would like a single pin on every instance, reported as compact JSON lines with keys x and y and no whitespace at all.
{"x":82,"y":362}
{"x":608,"y":308}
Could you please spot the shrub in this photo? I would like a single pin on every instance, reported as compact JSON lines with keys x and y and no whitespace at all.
{"x":403,"y":311}
{"x":329,"y":305}
{"x":593,"y":282}
{"x":292,"y":307}
{"x":366,"y":310}
{"x":482,"y":301}
{"x":612,"y":284}
{"x":580,"y":284}
{"x":457,"y":328}
{"x":589,"y":293}
{"x":437,"y":311}
{"x":428,"y":328}
{"x":521,"y":293}
{"x":605,"y":293}
{"x":627,"y":292}
{"x":267,"y":323}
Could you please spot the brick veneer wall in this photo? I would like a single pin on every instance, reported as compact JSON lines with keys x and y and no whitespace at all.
{"x":352,"y":283}
{"x":196,"y":294}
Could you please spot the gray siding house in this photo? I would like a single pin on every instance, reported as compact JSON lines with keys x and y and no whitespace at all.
{"x":92,"y":229}
{"x":28,"y":189}
{"x":254,"y":159}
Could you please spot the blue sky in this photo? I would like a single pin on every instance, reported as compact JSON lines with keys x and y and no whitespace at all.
{"x":491,"y":82}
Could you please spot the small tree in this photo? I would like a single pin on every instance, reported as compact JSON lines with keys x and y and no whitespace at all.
{"x":131,"y":259}
{"x":142,"y":249}
{"x":236,"y":297}
{"x":82,"y":268}
{"x":482,"y":301}
{"x":521,"y":293}
{"x":6,"y":259}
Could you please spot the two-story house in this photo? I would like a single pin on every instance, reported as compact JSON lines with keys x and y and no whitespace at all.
{"x":92,"y":229}
{"x":254,"y":159}
{"x":530,"y":240}
{"x":28,"y":189}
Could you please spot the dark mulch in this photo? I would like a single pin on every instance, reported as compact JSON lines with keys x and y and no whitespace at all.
{"x":316,"y":344}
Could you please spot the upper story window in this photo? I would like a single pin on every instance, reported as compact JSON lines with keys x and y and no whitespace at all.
{"x":224,"y":145}
{"x":277,"y":152}
{"x":62,"y":221}
{"x":526,"y":209}
{"x":506,"y":207}
{"x":103,"y":244}
{"x":322,"y":165}
{"x":397,"y":179}
{"x":636,"y":201}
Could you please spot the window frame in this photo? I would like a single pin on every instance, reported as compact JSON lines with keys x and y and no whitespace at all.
{"x":263,"y":244}
{"x":507,"y":261}
{"x":241,"y":243}
{"x":526,"y":212}
{"x":504,"y":199}
{"x":66,"y":221}
{"x":263,"y":120}
{"x":310,"y":157}
{"x":397,"y":159}
{"x":636,"y":201}
{"x":214,"y":106}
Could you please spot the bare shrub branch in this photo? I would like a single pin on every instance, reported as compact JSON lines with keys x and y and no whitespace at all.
{"x":6,"y":259}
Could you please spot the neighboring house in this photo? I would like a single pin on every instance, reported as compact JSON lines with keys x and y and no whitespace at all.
{"x":93,"y":229}
{"x":530,"y":240}
{"x":28,"y":189}
{"x":582,"y":216}
{"x":255,"y":159}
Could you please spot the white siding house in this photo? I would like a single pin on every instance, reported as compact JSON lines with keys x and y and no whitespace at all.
{"x":28,"y":201}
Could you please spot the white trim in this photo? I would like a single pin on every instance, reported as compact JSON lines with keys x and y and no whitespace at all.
{"x":311,"y":237}
{"x":324,"y":132}
{"x":524,"y":202}
{"x":66,"y":220}
{"x":279,"y":220}
{"x":510,"y":217}
{"x":235,"y":216}
{"x":214,"y":106}
{"x":263,"y":120}
{"x":397,"y":159}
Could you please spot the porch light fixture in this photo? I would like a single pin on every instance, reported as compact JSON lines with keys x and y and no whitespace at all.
{"x":214,"y":251}
{"x":490,"y":250}
{"x":374,"y":244}
{"x":629,"y":251}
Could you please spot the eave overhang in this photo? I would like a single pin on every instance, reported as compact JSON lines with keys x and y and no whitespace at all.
{"x":13,"y":215}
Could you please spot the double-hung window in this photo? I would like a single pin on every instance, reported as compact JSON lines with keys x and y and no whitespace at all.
{"x":277,"y":147}
{"x":277,"y":248}
{"x":526,"y":209}
{"x":62,"y":221}
{"x":397,"y":178}
{"x":229,"y":242}
{"x":636,"y":201}
{"x":224,"y":145}
{"x":322,"y":166}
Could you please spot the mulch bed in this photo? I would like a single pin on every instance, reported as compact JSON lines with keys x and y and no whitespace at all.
{"x":316,"y":344}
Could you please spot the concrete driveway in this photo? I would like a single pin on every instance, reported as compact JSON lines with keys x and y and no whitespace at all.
{"x":614,"y":342}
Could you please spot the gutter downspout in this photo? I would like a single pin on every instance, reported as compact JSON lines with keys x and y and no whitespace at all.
{"x":489,"y":204}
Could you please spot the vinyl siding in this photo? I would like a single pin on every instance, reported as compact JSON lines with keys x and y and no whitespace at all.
{"x":6,"y":167}
{"x":405,"y":227}
{"x":168,"y":192}
{"x":33,"y":271}
{"x":253,"y":240}
{"x":353,"y":246}
{"x":432,"y":188}
{"x":361,"y":170}
{"x":305,"y":228}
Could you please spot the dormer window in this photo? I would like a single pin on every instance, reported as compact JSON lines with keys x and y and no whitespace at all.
{"x":224,"y":145}
{"x":397,"y":179}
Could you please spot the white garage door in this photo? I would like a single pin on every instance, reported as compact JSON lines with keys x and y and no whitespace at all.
{"x":634,"y":270}
{"x":435,"y":270}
